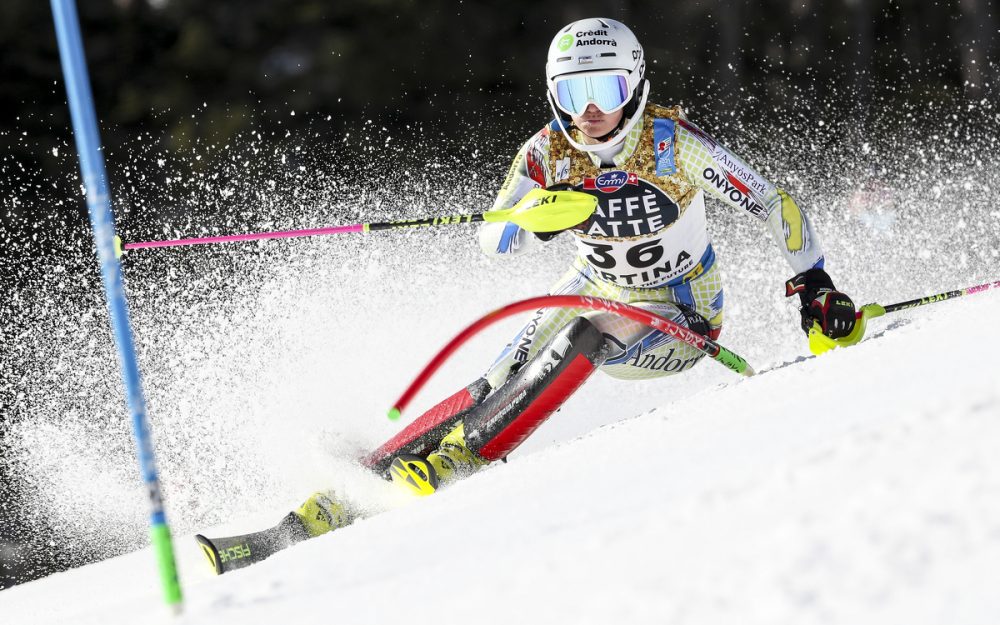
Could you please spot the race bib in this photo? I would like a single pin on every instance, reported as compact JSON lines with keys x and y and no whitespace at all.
{"x":638,"y":237}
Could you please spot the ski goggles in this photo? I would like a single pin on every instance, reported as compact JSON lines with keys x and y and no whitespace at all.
{"x":609,"y":92}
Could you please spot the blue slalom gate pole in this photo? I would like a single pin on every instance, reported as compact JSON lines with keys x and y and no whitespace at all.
{"x":88,"y":145}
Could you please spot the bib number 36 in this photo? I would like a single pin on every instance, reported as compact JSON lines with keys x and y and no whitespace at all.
{"x":639,"y":256}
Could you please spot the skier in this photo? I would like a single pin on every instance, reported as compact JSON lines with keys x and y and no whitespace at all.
{"x":646,"y":245}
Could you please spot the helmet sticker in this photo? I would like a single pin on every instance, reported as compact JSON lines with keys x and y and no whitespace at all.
{"x":595,"y":38}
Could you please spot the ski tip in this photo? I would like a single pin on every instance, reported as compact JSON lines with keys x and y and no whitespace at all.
{"x":394,"y":413}
{"x":210,"y":551}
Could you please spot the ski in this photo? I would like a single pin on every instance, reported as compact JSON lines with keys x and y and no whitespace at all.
{"x":235,"y":552}
{"x":321,"y":513}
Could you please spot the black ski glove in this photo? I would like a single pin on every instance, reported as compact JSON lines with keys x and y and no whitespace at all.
{"x":547,"y":236}
{"x":823,"y":303}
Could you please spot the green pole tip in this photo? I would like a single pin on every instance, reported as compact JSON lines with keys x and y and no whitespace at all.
{"x":394,"y":414}
{"x":119,"y":250}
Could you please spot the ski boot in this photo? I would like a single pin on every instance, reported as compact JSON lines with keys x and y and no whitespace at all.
{"x":451,"y":461}
{"x":321,"y":513}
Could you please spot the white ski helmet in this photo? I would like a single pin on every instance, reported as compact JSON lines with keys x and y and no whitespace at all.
{"x":599,"y":61}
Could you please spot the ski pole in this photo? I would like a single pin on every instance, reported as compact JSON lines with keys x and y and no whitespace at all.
{"x":730,"y":359}
{"x":819,"y":343}
{"x":94,"y":176}
{"x":940,"y":297}
{"x":538,"y":211}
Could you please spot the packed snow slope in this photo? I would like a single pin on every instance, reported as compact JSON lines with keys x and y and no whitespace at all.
{"x":862,"y":486}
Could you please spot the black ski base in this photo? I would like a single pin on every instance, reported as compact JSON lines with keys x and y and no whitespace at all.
{"x":235,"y":552}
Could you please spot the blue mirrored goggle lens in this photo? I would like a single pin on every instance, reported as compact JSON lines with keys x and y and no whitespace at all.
{"x":608,"y":92}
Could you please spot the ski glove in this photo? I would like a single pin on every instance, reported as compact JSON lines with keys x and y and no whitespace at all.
{"x":822,"y":303}
{"x":547,"y":236}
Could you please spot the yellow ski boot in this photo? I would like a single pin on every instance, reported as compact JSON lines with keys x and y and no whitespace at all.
{"x":321,"y":513}
{"x":451,"y":461}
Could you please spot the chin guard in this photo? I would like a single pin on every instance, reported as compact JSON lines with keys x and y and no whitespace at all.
{"x":819,"y":343}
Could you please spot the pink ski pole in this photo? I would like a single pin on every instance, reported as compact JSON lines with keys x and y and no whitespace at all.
{"x":540,"y":210}
{"x":309,"y":232}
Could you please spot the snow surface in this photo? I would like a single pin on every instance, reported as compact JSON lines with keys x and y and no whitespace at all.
{"x":859,"y":487}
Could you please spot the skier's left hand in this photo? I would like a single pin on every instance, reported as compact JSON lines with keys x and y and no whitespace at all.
{"x":822,"y":303}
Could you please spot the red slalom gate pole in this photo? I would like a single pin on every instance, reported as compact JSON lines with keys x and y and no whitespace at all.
{"x":730,"y":359}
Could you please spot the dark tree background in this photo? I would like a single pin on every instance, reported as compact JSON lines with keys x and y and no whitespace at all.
{"x":169,"y":72}
{"x":182,"y":69}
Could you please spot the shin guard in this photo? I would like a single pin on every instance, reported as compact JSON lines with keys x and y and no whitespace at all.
{"x":499,"y":424}
{"x":423,"y":435}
